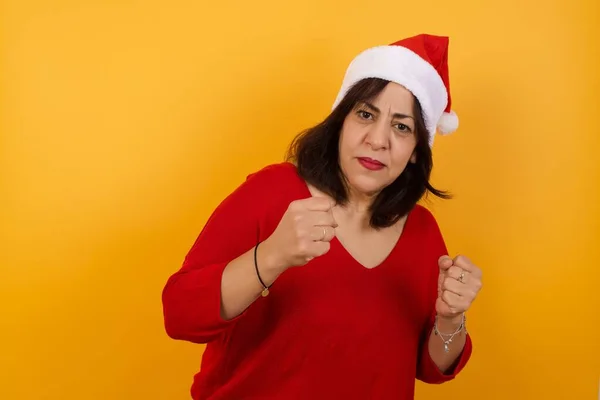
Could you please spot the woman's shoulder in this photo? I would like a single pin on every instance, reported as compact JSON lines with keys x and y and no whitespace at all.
{"x":274,"y":182}
{"x":274,"y":171}
{"x":422,"y":218}
{"x":265,"y":188}
{"x":271,"y":189}
{"x":275,"y":176}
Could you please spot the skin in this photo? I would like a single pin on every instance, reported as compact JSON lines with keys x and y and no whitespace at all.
{"x":383,"y":130}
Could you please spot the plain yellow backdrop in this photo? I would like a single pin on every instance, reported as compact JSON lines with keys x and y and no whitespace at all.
{"x":124,"y":123}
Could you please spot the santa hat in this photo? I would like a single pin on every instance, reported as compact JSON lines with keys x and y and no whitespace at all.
{"x":420,"y":64}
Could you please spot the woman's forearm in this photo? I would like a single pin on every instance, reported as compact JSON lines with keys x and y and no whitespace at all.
{"x":437,"y":346}
{"x":240,"y":285}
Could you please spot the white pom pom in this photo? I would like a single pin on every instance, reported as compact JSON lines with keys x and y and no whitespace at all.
{"x":448,"y":123}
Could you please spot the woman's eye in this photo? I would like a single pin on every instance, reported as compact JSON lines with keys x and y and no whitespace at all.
{"x":365,"y":114}
{"x":403,"y":128}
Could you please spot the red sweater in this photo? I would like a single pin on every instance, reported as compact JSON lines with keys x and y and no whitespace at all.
{"x":331,"y":329}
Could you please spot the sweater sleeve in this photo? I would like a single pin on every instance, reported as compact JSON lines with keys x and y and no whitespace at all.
{"x":427,"y":370}
{"x":192,"y":296}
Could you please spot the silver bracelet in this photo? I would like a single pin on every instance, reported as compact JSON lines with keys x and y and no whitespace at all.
{"x":449,"y":336}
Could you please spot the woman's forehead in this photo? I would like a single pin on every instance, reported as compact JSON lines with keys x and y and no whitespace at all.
{"x":392,"y":99}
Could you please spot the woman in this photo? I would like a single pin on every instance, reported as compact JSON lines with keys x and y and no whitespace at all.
{"x":321,"y":277}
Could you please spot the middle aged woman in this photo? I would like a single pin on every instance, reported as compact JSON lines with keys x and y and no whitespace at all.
{"x":359,"y":294}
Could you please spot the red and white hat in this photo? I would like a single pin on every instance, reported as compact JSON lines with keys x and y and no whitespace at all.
{"x":420,"y":64}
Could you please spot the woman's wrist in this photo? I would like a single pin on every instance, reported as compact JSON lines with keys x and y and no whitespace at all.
{"x":269,"y":264}
{"x":449,"y":323}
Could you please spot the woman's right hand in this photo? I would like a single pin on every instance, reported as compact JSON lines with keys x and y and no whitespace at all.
{"x":303,"y":233}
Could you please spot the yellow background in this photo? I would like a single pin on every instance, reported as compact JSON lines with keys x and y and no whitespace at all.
{"x":125,"y":122}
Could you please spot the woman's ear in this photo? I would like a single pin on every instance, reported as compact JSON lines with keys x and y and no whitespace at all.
{"x":413,"y":158}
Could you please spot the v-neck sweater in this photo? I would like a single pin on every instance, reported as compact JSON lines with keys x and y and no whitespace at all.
{"x":331,"y":329}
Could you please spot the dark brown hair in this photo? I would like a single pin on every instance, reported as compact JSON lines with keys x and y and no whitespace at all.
{"x":315,"y":152}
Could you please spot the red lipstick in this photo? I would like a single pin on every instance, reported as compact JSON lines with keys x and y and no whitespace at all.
{"x":370,"y":164}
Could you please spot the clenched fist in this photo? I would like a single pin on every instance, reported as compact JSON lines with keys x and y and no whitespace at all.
{"x":304,"y":232}
{"x":459,"y":283}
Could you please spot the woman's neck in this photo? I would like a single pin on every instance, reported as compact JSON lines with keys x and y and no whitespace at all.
{"x":357,"y":210}
{"x":354,"y":212}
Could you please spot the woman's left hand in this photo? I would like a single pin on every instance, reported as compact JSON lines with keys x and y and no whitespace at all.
{"x":459,"y":283}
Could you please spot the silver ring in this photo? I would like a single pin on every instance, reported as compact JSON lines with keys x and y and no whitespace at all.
{"x":461,"y":277}
{"x":324,"y":233}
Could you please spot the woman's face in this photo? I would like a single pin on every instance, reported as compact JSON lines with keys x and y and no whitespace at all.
{"x":378,"y":140}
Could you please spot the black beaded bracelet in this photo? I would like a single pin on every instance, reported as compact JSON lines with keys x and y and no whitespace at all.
{"x":265,"y":291}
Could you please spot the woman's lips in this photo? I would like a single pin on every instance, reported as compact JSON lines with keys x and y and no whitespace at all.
{"x":370,"y":163}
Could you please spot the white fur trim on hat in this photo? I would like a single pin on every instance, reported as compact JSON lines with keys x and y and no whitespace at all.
{"x":403,"y":66}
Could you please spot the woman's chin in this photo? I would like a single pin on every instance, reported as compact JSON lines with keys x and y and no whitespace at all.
{"x":367,"y":186}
